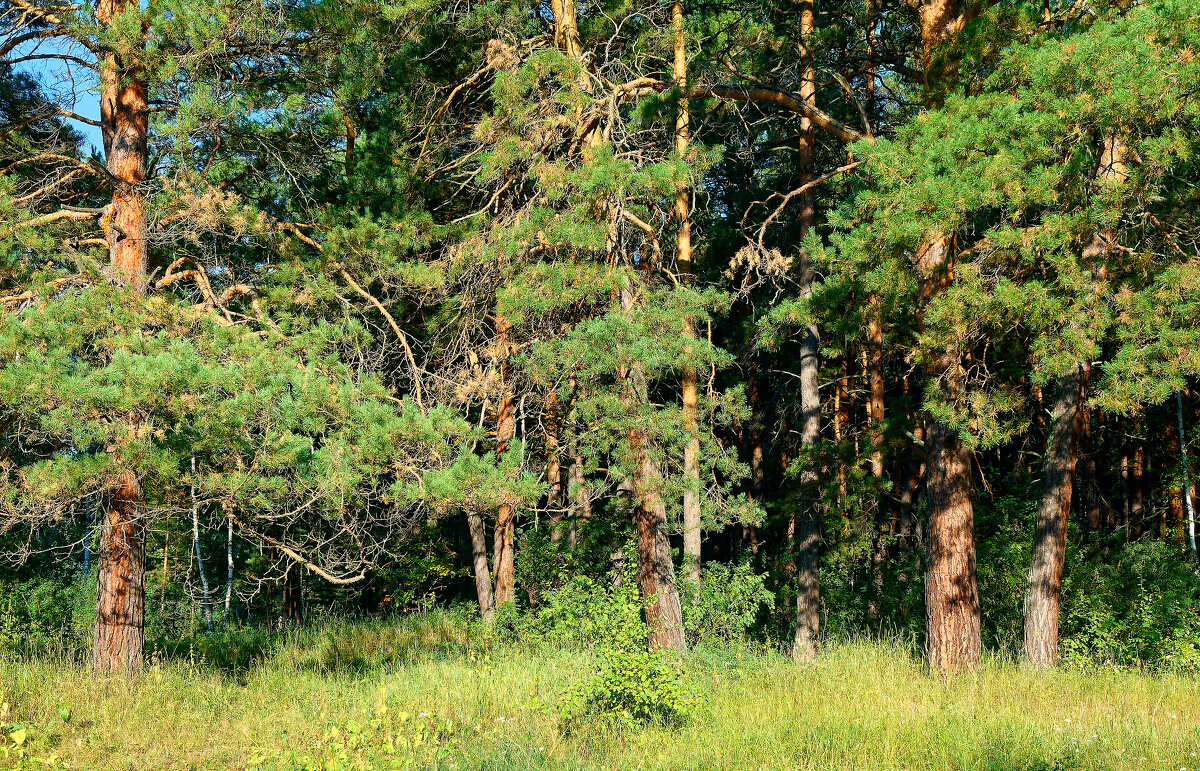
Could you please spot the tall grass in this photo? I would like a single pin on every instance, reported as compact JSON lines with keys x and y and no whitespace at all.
{"x":443,"y":693}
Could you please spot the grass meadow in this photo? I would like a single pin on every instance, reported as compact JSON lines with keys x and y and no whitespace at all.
{"x":434,"y":692}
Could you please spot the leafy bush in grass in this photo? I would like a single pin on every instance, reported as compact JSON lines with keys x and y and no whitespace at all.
{"x":727,"y":605}
{"x":630,"y":689}
{"x":47,"y":616}
{"x":1141,"y":607}
{"x":590,"y":613}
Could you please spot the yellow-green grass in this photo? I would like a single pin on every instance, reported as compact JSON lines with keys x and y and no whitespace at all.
{"x":356,"y":696}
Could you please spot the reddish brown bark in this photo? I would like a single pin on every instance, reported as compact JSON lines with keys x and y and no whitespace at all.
{"x":656,"y":573}
{"x":124,"y":118}
{"x":655,"y":569}
{"x":1043,"y":596}
{"x":951,"y":591}
{"x":683,"y":262}
{"x":121,"y":590}
{"x":554,"y":495}
{"x":506,"y":428}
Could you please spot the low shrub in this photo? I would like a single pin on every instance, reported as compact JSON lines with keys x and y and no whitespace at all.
{"x":727,"y":605}
{"x":630,"y":689}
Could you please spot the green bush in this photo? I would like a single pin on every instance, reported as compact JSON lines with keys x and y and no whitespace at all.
{"x":49,"y":616}
{"x":586,"y":612}
{"x":630,"y":689}
{"x":727,"y":605}
{"x":1140,"y":607}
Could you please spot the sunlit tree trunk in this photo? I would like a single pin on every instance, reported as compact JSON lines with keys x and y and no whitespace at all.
{"x":1043,"y":597}
{"x":683,"y":261}
{"x":124,"y":117}
{"x":506,"y":427}
{"x":1188,"y":503}
{"x":554,"y":496}
{"x":951,"y":590}
{"x":121,"y":590}
{"x":228,"y":569}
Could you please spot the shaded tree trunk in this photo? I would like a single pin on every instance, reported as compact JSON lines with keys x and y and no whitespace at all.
{"x":581,"y":502}
{"x":206,"y":595}
{"x":1043,"y":597}
{"x":293,"y":595}
{"x":554,"y":496}
{"x":807,"y":543}
{"x":479,"y":564}
{"x":881,"y":528}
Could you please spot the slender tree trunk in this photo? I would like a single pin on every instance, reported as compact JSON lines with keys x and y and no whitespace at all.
{"x":1086,"y":474}
{"x":206,"y":596}
{"x":554,"y":496}
{"x":683,"y":261}
{"x":808,"y":533}
{"x":87,"y":544}
{"x":581,"y":501}
{"x":875,"y":407}
{"x":293,"y":590}
{"x":1043,"y":597}
{"x":479,"y":562}
{"x":228,"y":568}
{"x":124,"y":118}
{"x":1187,"y":479}
{"x":506,"y":426}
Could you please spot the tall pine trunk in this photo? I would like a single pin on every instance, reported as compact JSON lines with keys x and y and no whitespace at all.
{"x":683,"y":261}
{"x":951,"y":589}
{"x":655,"y":569}
{"x":808,"y":534}
{"x":875,"y":408}
{"x":124,"y":117}
{"x":121,"y":587}
{"x":1043,"y":596}
{"x":506,"y":428}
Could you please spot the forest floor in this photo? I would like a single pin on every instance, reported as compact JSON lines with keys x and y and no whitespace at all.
{"x":425,"y":694}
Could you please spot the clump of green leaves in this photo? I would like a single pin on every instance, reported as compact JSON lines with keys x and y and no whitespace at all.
{"x":727,"y":604}
{"x":630,"y":690}
{"x":591,"y":612}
